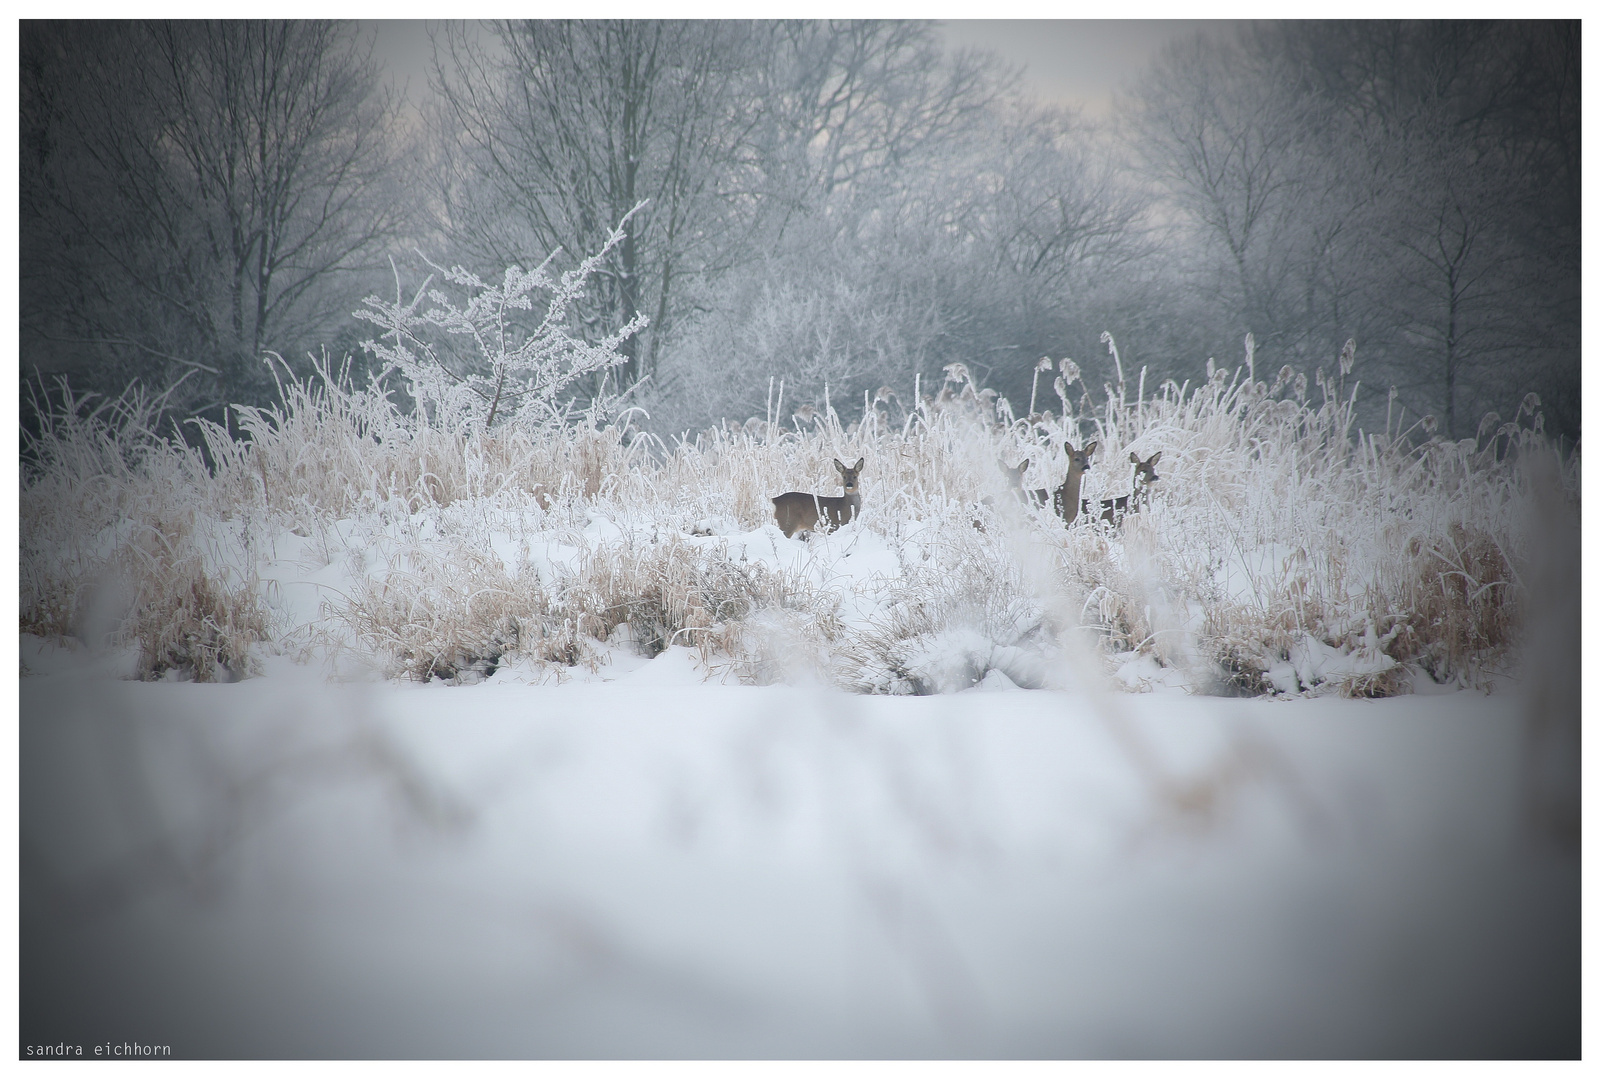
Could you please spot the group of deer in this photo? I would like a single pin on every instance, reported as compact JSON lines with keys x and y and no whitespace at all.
{"x":800,"y":511}
{"x":1065,"y":499}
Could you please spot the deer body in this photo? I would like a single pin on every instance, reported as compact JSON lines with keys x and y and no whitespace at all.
{"x":801,"y":511}
{"x":1065,"y":500}
{"x":1112,"y":510}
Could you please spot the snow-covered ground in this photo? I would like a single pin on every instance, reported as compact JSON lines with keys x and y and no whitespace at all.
{"x":639,"y":863}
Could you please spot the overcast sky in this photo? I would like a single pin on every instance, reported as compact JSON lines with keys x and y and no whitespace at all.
{"x":1078,"y":62}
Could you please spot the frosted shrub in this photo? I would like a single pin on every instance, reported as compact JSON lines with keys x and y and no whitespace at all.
{"x":511,"y":370}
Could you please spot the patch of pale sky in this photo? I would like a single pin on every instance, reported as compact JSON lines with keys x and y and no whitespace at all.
{"x":1075,"y":62}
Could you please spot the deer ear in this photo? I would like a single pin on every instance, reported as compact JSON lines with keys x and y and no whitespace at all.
{"x":1023,"y":468}
{"x":1069,"y":448}
{"x":1090,"y":449}
{"x":1154,"y":457}
{"x":838,"y":465}
{"x":1135,"y":458}
{"x":859,"y":463}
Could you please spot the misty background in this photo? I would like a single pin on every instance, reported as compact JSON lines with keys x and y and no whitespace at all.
{"x":299,"y":776}
{"x":846,"y":205}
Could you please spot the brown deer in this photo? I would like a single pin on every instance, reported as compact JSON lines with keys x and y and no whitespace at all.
{"x":1014,"y":480}
{"x":1112,"y":510}
{"x":1065,"y":500}
{"x":800,"y":511}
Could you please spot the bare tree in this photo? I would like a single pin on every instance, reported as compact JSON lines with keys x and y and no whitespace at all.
{"x":1404,"y":184}
{"x":1470,"y":131}
{"x":1239,"y":156}
{"x":557,"y":130}
{"x":855,"y":104}
{"x":195,"y":193}
{"x":989,"y":247}
{"x":1448,"y":273}
{"x":739,"y":135}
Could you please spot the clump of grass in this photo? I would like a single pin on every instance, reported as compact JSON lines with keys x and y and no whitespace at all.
{"x":960,"y":608}
{"x":454,"y":614}
{"x":1458,"y":597}
{"x":112,"y":544}
{"x":671,"y":592}
{"x":189,"y":620}
{"x":1278,"y":521}
{"x":457,"y":614}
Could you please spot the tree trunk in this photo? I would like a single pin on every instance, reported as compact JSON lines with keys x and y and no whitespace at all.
{"x":1450,"y":363}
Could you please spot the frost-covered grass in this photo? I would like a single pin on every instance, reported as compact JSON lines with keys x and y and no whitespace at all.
{"x":1282,"y":551}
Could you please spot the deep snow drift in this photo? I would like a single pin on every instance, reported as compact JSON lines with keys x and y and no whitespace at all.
{"x":647,"y":865}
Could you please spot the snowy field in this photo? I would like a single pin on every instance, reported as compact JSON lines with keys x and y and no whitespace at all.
{"x":379,"y":734}
{"x":639,"y":863}
{"x":454,"y":670}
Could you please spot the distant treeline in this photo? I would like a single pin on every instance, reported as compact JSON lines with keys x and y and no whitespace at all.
{"x":839,"y":203}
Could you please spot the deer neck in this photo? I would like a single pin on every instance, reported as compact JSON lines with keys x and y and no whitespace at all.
{"x":1075,"y":480}
{"x":1142,"y":491}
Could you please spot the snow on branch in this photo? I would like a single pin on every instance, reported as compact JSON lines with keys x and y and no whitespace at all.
{"x":529,"y":374}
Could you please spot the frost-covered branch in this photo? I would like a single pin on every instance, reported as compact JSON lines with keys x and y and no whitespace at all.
{"x":526,"y":372}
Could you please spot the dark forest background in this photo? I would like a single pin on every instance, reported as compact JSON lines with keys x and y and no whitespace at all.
{"x":848,"y":204}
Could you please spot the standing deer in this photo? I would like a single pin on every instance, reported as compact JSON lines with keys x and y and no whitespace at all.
{"x":800,"y":511}
{"x":1065,"y":500}
{"x":1014,"y":480}
{"x":1112,"y":510}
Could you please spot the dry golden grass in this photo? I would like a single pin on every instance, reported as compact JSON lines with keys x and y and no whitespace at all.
{"x":1275,"y":523}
